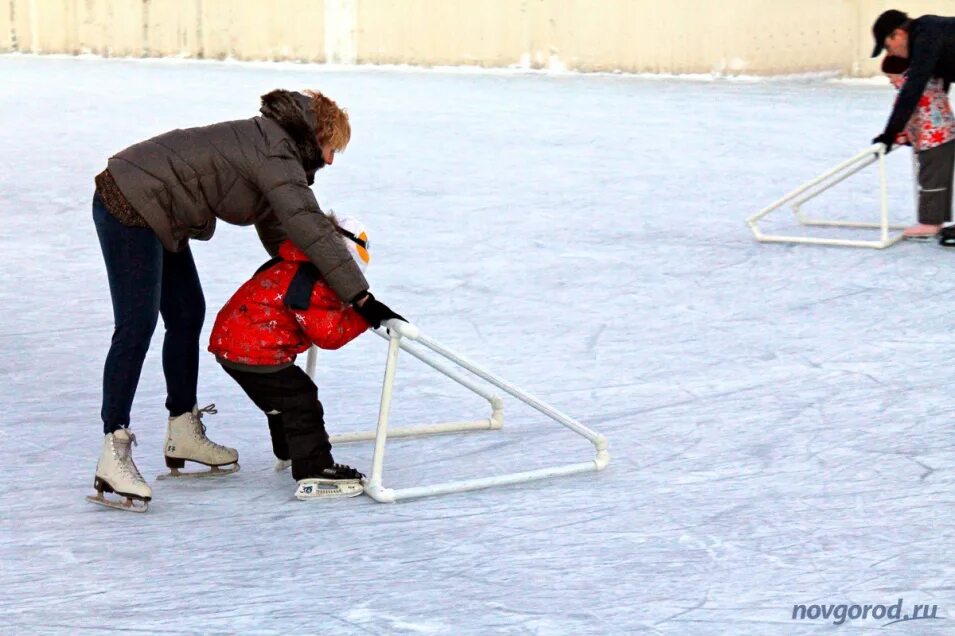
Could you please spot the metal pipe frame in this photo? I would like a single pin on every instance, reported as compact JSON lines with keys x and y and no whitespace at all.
{"x":397,"y":332}
{"x":492,"y":423}
{"x":822,"y":183}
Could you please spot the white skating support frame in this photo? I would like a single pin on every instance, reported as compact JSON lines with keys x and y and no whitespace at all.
{"x":819,"y":185}
{"x":399,"y":334}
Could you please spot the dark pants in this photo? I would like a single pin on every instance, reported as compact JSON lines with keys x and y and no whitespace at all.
{"x":301,"y":418}
{"x":935,"y":168}
{"x":145,"y":281}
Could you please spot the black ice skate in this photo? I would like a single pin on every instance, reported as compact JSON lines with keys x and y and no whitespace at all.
{"x":334,"y":482}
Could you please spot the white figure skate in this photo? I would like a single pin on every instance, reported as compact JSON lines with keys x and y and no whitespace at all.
{"x":335,"y":482}
{"x":186,"y":441}
{"x":116,"y":472}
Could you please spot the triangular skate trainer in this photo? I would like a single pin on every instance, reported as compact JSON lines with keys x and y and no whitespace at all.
{"x":402,"y":335}
{"x":822,"y":183}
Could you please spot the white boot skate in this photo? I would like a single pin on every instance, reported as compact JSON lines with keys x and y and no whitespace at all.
{"x":116,"y":472}
{"x":186,"y":441}
{"x":334,"y":482}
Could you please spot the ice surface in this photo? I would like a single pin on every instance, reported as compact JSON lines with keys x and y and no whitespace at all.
{"x":780,"y":417}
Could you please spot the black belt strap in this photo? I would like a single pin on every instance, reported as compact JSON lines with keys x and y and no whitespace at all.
{"x":299,"y":292}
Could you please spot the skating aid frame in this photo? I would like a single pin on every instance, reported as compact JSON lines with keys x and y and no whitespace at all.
{"x":824,"y":182}
{"x":400,"y":335}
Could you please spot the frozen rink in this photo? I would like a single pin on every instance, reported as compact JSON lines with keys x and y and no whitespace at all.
{"x":780,"y":417}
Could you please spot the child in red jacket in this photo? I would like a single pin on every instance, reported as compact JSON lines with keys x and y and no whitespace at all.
{"x":279,"y":313}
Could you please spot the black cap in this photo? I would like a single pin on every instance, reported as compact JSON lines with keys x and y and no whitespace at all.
{"x":884,"y":25}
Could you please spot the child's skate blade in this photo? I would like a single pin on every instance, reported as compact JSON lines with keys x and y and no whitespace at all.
{"x":319,"y":489}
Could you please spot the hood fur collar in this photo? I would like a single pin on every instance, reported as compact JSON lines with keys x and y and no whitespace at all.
{"x":293,"y":112}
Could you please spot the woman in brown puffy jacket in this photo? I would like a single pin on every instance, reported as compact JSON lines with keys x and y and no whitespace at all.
{"x":150,"y":201}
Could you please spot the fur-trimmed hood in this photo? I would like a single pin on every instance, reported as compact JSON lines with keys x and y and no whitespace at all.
{"x":293,"y":112}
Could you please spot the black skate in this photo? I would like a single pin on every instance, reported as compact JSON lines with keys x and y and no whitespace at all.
{"x":333,"y":482}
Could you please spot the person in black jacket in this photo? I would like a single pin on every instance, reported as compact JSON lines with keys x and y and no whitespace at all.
{"x":929,"y":45}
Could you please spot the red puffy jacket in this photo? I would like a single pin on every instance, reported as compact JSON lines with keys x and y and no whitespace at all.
{"x":256,"y":328}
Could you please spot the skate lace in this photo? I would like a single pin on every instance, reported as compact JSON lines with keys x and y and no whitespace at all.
{"x":122,"y":451}
{"x":209,"y":409}
{"x":347,"y":471}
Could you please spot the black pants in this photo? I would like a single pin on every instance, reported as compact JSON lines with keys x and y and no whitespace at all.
{"x":145,"y":281}
{"x":935,"y":167}
{"x":298,"y":429}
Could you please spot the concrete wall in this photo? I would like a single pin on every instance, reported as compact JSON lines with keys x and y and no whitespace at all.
{"x":676,"y":36}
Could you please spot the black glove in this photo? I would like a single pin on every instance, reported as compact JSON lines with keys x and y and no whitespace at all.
{"x":374,"y":312}
{"x":885,"y":139}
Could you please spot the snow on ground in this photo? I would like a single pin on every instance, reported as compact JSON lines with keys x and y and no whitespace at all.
{"x":779,"y":416}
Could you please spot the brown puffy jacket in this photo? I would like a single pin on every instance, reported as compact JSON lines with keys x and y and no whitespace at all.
{"x":247,"y":171}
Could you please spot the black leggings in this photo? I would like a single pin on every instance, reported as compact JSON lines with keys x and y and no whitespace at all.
{"x":145,"y":281}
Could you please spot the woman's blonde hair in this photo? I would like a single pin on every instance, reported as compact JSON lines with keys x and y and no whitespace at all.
{"x":333,"y":128}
